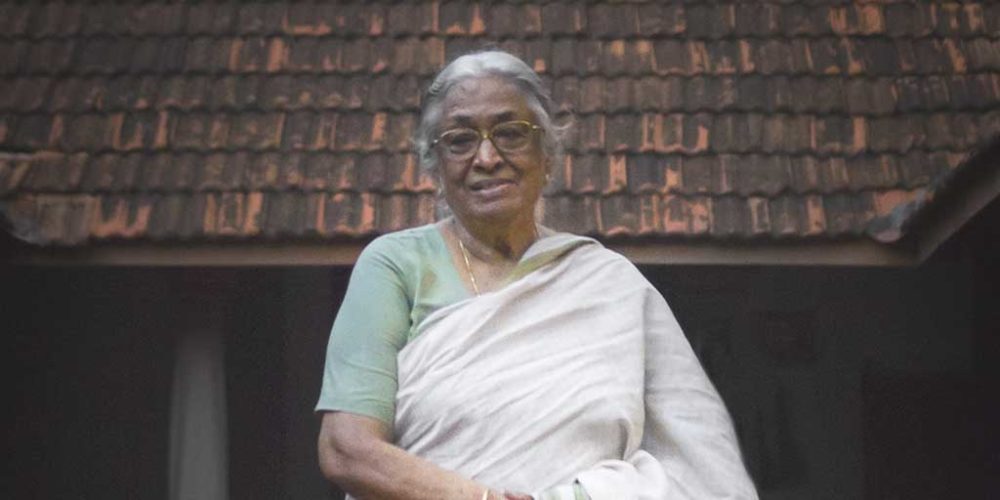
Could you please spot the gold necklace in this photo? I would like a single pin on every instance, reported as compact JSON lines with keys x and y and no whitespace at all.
{"x":468,"y":268}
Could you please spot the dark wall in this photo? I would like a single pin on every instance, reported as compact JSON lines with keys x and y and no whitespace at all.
{"x":843,"y":382}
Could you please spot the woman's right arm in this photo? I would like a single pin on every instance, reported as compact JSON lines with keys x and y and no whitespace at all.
{"x":355,"y":453}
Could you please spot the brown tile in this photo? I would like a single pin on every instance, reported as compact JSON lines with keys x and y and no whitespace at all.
{"x":136,"y":131}
{"x":25,"y":94}
{"x":983,"y":54}
{"x":691,"y":216}
{"x":787,"y":215}
{"x":275,"y":171}
{"x":416,"y":18}
{"x":59,"y":219}
{"x":109,"y":19}
{"x":256,"y":131}
{"x":588,"y":174}
{"x":872,"y":172}
{"x":352,"y":131}
{"x":560,"y":18}
{"x":773,"y":57}
{"x":13,"y":56}
{"x":661,"y":19}
{"x":300,"y":131}
{"x":357,"y":55}
{"x":329,"y":173}
{"x":589,"y":56}
{"x":88,"y":132}
{"x":730,"y":217}
{"x":798,"y":19}
{"x":154,"y":19}
{"x":55,"y":56}
{"x":12,"y":173}
{"x":574,"y":214}
{"x":763,"y":19}
{"x":173,"y":216}
{"x":618,"y":96}
{"x":15,"y":18}
{"x":211,"y":18}
{"x":696,"y":137}
{"x":760,"y":216}
{"x":355,"y":92}
{"x":659,"y":94}
{"x":832,"y":134}
{"x":844,"y":214}
{"x":590,"y":132}
{"x":278,"y":92}
{"x":153,"y":171}
{"x":617,"y":174}
{"x":248,"y":55}
{"x":671,"y":57}
{"x":931,"y":56}
{"x":50,"y":172}
{"x":563,"y":57}
{"x":907,"y":20}
{"x":181,"y":173}
{"x":786,"y":133}
{"x":870,"y":96}
{"x":373,"y":173}
{"x":565,"y":94}
{"x":259,"y":18}
{"x":991,"y":17}
{"x":233,"y":92}
{"x":701,"y":174}
{"x":891,"y":134}
{"x":709,"y":20}
{"x":409,"y":176}
{"x":645,"y":174}
{"x":221,"y":172}
{"x":51,"y":19}
{"x":462,"y":18}
{"x":829,"y":56}
{"x":190,"y":131}
{"x":612,"y":21}
{"x":127,"y":92}
{"x":755,"y":174}
{"x":723,"y":57}
{"x":833,"y":174}
{"x":619,"y":216}
{"x":400,"y":131}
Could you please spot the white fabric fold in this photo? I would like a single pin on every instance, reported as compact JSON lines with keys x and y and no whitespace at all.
{"x":576,"y":371}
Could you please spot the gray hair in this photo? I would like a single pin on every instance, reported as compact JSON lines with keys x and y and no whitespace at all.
{"x":478,"y":64}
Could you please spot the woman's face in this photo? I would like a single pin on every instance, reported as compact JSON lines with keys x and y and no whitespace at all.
{"x":491,"y":186}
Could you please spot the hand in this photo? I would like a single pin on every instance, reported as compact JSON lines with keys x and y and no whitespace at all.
{"x":516,"y":496}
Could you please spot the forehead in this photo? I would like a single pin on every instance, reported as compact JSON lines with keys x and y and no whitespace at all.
{"x":484,"y":100}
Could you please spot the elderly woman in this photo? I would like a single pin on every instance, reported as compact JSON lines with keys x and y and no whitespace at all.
{"x":488,"y":357}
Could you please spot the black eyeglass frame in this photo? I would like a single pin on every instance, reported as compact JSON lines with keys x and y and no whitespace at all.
{"x":487,"y":135}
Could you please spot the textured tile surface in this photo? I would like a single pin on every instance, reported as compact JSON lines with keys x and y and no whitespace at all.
{"x":251,"y":121}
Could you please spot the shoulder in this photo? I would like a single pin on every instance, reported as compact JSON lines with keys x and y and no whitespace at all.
{"x":610,"y":265}
{"x":402,"y":246}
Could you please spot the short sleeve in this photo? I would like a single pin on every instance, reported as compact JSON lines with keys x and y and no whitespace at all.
{"x":368,"y":332}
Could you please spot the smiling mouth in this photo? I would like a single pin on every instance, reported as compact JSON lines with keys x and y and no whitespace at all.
{"x":489,"y":184}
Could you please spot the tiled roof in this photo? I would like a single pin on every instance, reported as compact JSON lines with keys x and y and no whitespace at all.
{"x":256,"y":121}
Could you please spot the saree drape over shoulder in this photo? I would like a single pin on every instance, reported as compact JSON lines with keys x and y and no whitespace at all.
{"x":576,"y":371}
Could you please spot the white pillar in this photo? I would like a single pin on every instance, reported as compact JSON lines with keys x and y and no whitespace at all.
{"x":198,"y":462}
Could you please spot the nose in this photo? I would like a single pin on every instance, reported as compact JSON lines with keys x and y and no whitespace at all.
{"x":487,"y":157}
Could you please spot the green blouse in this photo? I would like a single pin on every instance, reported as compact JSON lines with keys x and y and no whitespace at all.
{"x":397,"y":281}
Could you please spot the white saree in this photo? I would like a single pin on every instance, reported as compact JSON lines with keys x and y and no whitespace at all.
{"x":577,"y":371}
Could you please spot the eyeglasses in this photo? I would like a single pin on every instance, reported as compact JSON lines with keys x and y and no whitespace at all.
{"x":508,"y":137}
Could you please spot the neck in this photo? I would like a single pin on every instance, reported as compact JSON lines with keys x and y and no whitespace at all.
{"x":494,"y":242}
